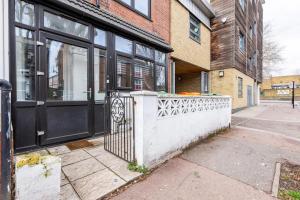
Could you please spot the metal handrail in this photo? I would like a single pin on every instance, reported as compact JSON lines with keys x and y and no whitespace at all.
{"x":5,"y":139}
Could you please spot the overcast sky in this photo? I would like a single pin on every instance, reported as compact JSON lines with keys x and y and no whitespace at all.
{"x":284,"y":15}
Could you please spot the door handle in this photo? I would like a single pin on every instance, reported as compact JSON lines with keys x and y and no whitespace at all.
{"x":89,"y":91}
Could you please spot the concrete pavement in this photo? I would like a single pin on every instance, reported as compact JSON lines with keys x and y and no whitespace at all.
{"x":238,"y":164}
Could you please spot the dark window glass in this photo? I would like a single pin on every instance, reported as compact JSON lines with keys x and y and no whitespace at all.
{"x":194,"y":28}
{"x":99,"y":74}
{"x":144,"y":51}
{"x":160,"y":57}
{"x":240,"y":87}
{"x":24,"y":13}
{"x":160,"y":77}
{"x":143,"y":75}
{"x":100,"y":37}
{"x":67,"y":71}
{"x":65,"y":25}
{"x":242,"y":41}
{"x":128,"y":2}
{"x":124,"y":66}
{"x":25,"y":64}
{"x":123,"y":45}
{"x":142,"y":6}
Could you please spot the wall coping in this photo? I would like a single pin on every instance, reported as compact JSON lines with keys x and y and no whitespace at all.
{"x":143,"y":93}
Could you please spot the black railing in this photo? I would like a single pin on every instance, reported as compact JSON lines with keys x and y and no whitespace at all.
{"x":6,"y":140}
{"x":119,"y":137}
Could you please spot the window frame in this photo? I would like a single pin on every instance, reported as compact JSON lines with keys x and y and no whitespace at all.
{"x":243,"y":50}
{"x":240,"y":87}
{"x":204,"y":74}
{"x":193,"y":20}
{"x":44,"y":9}
{"x":132,"y":8}
{"x":134,"y":56}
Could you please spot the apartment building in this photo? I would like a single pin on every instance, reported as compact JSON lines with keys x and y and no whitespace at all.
{"x":236,"y":56}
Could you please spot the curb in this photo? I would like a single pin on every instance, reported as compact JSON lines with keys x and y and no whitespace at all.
{"x":275,"y":185}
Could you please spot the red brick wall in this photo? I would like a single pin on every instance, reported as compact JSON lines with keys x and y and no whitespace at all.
{"x":159,"y":23}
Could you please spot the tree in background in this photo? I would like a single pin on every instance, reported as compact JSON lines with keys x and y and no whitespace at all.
{"x":272,"y":52}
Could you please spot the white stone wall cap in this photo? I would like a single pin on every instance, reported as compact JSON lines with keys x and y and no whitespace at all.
{"x":143,"y":93}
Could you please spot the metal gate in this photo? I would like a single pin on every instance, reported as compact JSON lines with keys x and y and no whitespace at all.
{"x":119,"y":136}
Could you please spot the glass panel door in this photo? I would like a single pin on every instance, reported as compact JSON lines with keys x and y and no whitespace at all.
{"x":67,"y":94}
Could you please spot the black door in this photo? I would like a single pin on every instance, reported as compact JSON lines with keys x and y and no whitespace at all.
{"x":65,"y":109}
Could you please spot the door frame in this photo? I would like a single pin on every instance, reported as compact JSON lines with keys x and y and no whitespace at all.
{"x":43,"y":89}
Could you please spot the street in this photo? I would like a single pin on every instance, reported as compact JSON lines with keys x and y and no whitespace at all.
{"x":237,"y":164}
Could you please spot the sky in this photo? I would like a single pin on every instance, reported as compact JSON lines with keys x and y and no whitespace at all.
{"x":284,"y":16}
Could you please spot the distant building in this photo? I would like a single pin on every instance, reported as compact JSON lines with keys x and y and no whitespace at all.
{"x":279,"y":88}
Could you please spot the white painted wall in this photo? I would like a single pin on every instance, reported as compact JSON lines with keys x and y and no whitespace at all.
{"x":159,"y":133}
{"x":4,"y":40}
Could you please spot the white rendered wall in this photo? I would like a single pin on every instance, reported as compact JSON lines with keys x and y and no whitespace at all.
{"x":162,"y":127}
{"x":4,"y":33}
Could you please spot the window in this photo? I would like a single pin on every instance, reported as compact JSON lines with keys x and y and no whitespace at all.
{"x":67,"y":71}
{"x":194,"y":28}
{"x":242,"y":41}
{"x":143,"y":75}
{"x":242,"y":4}
{"x":25,"y":64}
{"x":160,"y":57}
{"x":100,"y":37}
{"x":99,"y":74}
{"x":254,"y":28}
{"x":204,"y":82}
{"x":240,"y":87}
{"x":124,"y":66}
{"x":251,"y":32}
{"x":143,"y":70}
{"x":65,"y":25}
{"x":123,"y":45}
{"x":141,"y":6}
{"x":160,"y":73}
{"x":144,"y":51}
{"x":24,"y":13}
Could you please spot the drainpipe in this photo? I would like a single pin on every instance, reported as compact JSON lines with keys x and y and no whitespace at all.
{"x":6,"y":140}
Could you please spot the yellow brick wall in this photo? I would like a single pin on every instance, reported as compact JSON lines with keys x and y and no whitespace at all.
{"x":228,"y":85}
{"x":184,"y":47}
{"x":188,"y":83}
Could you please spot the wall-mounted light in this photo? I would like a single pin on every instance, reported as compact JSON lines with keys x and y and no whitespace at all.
{"x":224,"y":20}
{"x":221,"y":73}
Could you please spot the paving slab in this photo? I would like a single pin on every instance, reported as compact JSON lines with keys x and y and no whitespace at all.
{"x":83,"y":168}
{"x":183,"y":180}
{"x":97,"y":185}
{"x":64,"y":180}
{"x":68,"y":193}
{"x":74,"y":156}
{"x":58,"y":150}
{"x":121,"y":169}
{"x":95,"y":151}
